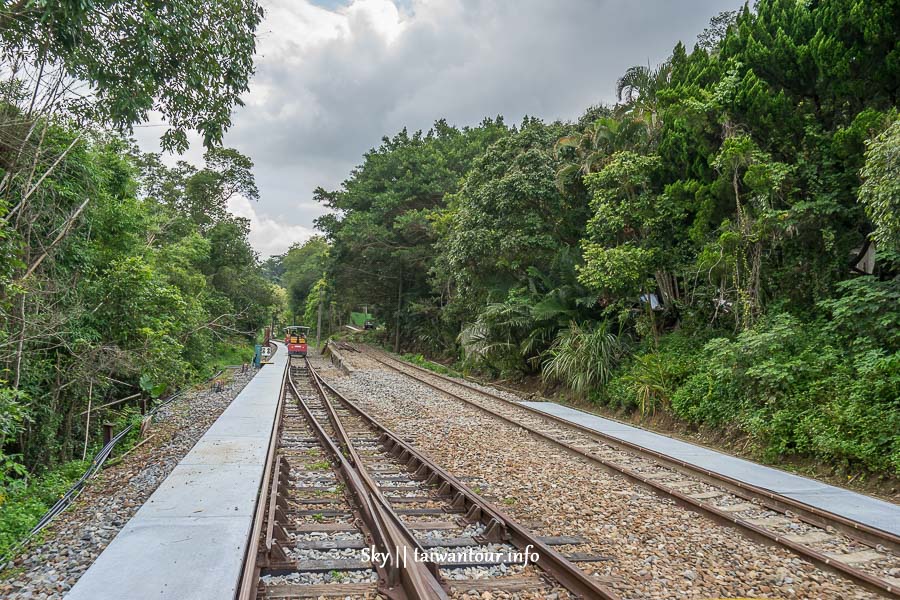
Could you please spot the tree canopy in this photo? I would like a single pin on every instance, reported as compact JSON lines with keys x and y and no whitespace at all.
{"x":117,"y":273}
{"x":676,"y":251}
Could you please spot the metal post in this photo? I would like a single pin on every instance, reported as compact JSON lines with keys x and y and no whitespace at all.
{"x":107,"y":433}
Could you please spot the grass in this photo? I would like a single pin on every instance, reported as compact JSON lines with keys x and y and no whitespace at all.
{"x":235,"y":352}
{"x":24,"y":502}
{"x":418,"y":359}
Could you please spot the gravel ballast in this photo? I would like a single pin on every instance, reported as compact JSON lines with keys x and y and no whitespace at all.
{"x":655,"y":548}
{"x":49,"y":568}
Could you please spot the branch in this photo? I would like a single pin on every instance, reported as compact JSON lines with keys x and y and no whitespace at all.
{"x":63,"y":232}
{"x":41,"y":180}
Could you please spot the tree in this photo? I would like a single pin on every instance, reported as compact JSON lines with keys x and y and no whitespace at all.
{"x":638,"y":88}
{"x":711,"y":37}
{"x":190,"y":60}
{"x":626,"y":234}
{"x":381,"y":239}
{"x":304,"y":265}
{"x":508,"y":216}
{"x":733,"y":183}
{"x":596,"y":144}
{"x":880,"y":191}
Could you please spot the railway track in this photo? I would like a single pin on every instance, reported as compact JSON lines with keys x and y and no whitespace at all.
{"x":861,"y":553}
{"x":352,"y":510}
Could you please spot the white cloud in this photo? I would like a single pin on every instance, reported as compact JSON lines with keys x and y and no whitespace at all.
{"x":268,"y":235}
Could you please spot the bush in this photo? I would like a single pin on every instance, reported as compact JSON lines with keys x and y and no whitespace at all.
{"x":583,"y":358}
{"x":649,"y":378}
{"x":795,"y":388}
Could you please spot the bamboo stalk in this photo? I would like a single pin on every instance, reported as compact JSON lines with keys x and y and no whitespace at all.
{"x":131,"y":397}
{"x":87,"y":424}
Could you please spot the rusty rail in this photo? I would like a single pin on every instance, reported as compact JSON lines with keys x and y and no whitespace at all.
{"x":500,"y":526}
{"x":810,"y":514}
{"x":400,"y":579}
{"x":819,"y":558}
{"x":419,"y":580}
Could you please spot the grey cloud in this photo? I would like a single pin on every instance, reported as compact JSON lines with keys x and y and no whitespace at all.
{"x":316,"y":106}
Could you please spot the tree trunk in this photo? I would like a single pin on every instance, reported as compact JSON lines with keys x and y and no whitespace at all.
{"x":319,"y":325}
{"x":20,"y":345}
{"x":667,"y":287}
{"x":399,"y":307}
{"x":87,"y":424}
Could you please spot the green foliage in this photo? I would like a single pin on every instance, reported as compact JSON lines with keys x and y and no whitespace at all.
{"x":710,"y":216}
{"x":622,"y":271}
{"x":118,"y":274}
{"x":499,"y":339}
{"x":318,"y":295}
{"x":865,"y":313}
{"x":650,"y":376}
{"x":387,"y":214}
{"x":126,"y":51}
{"x":508,"y":217}
{"x":303,"y":266}
{"x":583,"y":358}
{"x":796,"y":389}
{"x":650,"y":380}
{"x":134,"y":299}
{"x":418,"y":359}
{"x":880,"y":193}
{"x":24,"y":501}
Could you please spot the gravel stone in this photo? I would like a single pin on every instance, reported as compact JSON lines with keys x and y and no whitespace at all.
{"x":655,"y":548}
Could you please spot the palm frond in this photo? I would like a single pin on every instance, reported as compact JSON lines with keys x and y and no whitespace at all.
{"x":583,"y":358}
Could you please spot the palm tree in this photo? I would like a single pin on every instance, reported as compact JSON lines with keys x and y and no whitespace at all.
{"x":599,"y":140}
{"x":637,"y":90}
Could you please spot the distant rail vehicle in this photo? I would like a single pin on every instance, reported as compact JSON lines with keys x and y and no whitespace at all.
{"x":295,"y":338}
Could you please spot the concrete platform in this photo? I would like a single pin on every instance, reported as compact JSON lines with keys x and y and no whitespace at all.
{"x":188,"y":541}
{"x":859,"y":507}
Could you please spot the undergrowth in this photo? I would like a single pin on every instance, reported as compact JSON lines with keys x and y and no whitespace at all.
{"x":23,"y":501}
{"x":418,"y":359}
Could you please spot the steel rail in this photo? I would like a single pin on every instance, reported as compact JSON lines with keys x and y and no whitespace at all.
{"x":431,"y":585}
{"x":402,"y":579}
{"x":871,"y":536}
{"x":500,"y":526}
{"x":821,"y":559}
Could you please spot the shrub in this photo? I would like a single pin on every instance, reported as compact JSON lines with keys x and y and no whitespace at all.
{"x":583,"y":358}
{"x":23,"y":502}
{"x":798,"y":387}
{"x":650,"y":381}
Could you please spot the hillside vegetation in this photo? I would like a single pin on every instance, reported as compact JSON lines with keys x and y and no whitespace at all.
{"x":120,"y":276}
{"x":720,"y":246}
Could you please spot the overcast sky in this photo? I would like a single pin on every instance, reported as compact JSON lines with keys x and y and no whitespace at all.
{"x":333,"y":77}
